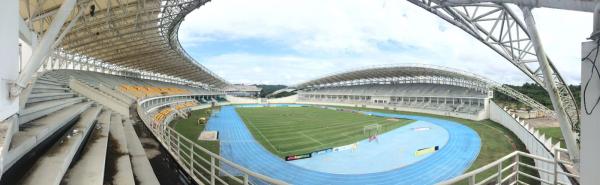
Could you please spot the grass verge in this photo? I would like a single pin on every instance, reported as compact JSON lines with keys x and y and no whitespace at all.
{"x":554,"y":133}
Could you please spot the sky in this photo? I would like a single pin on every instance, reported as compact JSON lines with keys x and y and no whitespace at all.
{"x":289,"y":42}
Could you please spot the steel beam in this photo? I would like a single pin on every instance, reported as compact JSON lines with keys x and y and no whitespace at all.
{"x":576,"y":5}
{"x":43,"y":48}
{"x":553,"y":91}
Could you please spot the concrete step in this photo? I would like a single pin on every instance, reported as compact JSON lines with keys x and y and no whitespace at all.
{"x":49,"y":90}
{"x":141,"y":165}
{"x":58,"y":76}
{"x":39,"y":109}
{"x":41,"y":81}
{"x":50,"y":87}
{"x":37,"y":131}
{"x":52,"y":166}
{"x":47,"y":86}
{"x":45,"y":80}
{"x":39,"y":97}
{"x":89,"y":169}
{"x":119,"y":154}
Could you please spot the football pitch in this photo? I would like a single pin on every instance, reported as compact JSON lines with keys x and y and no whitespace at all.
{"x":298,"y":130}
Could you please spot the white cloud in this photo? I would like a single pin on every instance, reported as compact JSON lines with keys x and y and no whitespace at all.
{"x":329,"y":36}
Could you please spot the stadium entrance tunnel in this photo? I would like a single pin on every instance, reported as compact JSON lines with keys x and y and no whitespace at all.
{"x":427,"y":151}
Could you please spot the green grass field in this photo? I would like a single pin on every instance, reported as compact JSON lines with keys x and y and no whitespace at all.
{"x":190,"y":129}
{"x":298,"y":130}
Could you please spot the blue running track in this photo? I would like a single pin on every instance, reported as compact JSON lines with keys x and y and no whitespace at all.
{"x":239,"y":146}
{"x":393,"y":149}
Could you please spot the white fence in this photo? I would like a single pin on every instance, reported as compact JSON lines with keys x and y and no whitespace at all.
{"x":511,"y":169}
{"x":203,"y":166}
{"x":536,"y":143}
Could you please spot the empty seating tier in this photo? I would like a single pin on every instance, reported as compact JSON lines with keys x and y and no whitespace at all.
{"x":438,"y":97}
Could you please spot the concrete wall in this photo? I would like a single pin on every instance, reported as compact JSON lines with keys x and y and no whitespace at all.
{"x":117,"y":94}
{"x":536,"y":143}
{"x":98,"y":96}
{"x":203,"y":106}
{"x":288,"y":99}
{"x":242,"y":100}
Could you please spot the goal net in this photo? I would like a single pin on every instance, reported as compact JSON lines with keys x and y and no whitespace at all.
{"x":372,"y":131}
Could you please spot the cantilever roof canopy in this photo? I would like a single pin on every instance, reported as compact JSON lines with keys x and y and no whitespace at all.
{"x":403,"y":70}
{"x":131,"y":34}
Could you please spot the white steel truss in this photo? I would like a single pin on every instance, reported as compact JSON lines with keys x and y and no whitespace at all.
{"x":137,"y":36}
{"x":497,"y":26}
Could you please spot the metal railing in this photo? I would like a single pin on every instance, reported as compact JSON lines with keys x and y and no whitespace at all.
{"x":202,"y":165}
{"x":516,"y":168}
{"x":206,"y":167}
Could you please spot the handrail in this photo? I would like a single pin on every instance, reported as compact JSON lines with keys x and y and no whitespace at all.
{"x":479,"y":170}
{"x":517,"y":171}
{"x":237,"y":166}
{"x":192,"y":167}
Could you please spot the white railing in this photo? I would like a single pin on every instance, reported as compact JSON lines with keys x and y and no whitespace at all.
{"x":206,"y":167}
{"x":202,"y":165}
{"x":513,"y":169}
{"x":535,"y":142}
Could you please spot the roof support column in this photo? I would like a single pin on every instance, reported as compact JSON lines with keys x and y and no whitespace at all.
{"x":9,"y":51}
{"x":9,"y":72}
{"x":565,"y":124}
{"x":43,"y":49}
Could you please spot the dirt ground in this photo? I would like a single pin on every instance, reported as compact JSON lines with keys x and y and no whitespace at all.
{"x":542,"y":122}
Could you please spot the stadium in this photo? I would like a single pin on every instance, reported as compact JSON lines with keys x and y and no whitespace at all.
{"x":102,"y":92}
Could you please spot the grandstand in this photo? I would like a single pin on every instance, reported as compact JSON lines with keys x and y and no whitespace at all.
{"x":416,"y":88}
{"x":243,"y":90}
{"x":57,"y":109}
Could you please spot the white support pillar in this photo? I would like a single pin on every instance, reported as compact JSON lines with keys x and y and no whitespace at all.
{"x":9,"y":51}
{"x":43,"y":49}
{"x":9,"y":72}
{"x":550,"y":86}
{"x":590,"y":90}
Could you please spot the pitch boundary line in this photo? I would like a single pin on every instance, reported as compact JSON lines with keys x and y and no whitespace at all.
{"x":302,"y":133}
{"x":263,"y":136}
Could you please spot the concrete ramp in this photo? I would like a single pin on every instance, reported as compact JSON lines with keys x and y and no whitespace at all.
{"x":101,"y":97}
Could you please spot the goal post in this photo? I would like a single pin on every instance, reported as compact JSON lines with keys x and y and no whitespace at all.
{"x":372,"y":130}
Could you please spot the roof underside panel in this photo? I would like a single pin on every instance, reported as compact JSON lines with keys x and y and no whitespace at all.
{"x":133,"y":34}
{"x":394,"y":71}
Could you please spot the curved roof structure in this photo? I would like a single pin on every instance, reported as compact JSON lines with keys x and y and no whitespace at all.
{"x":403,"y":70}
{"x":140,"y":35}
{"x":418,"y":71}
